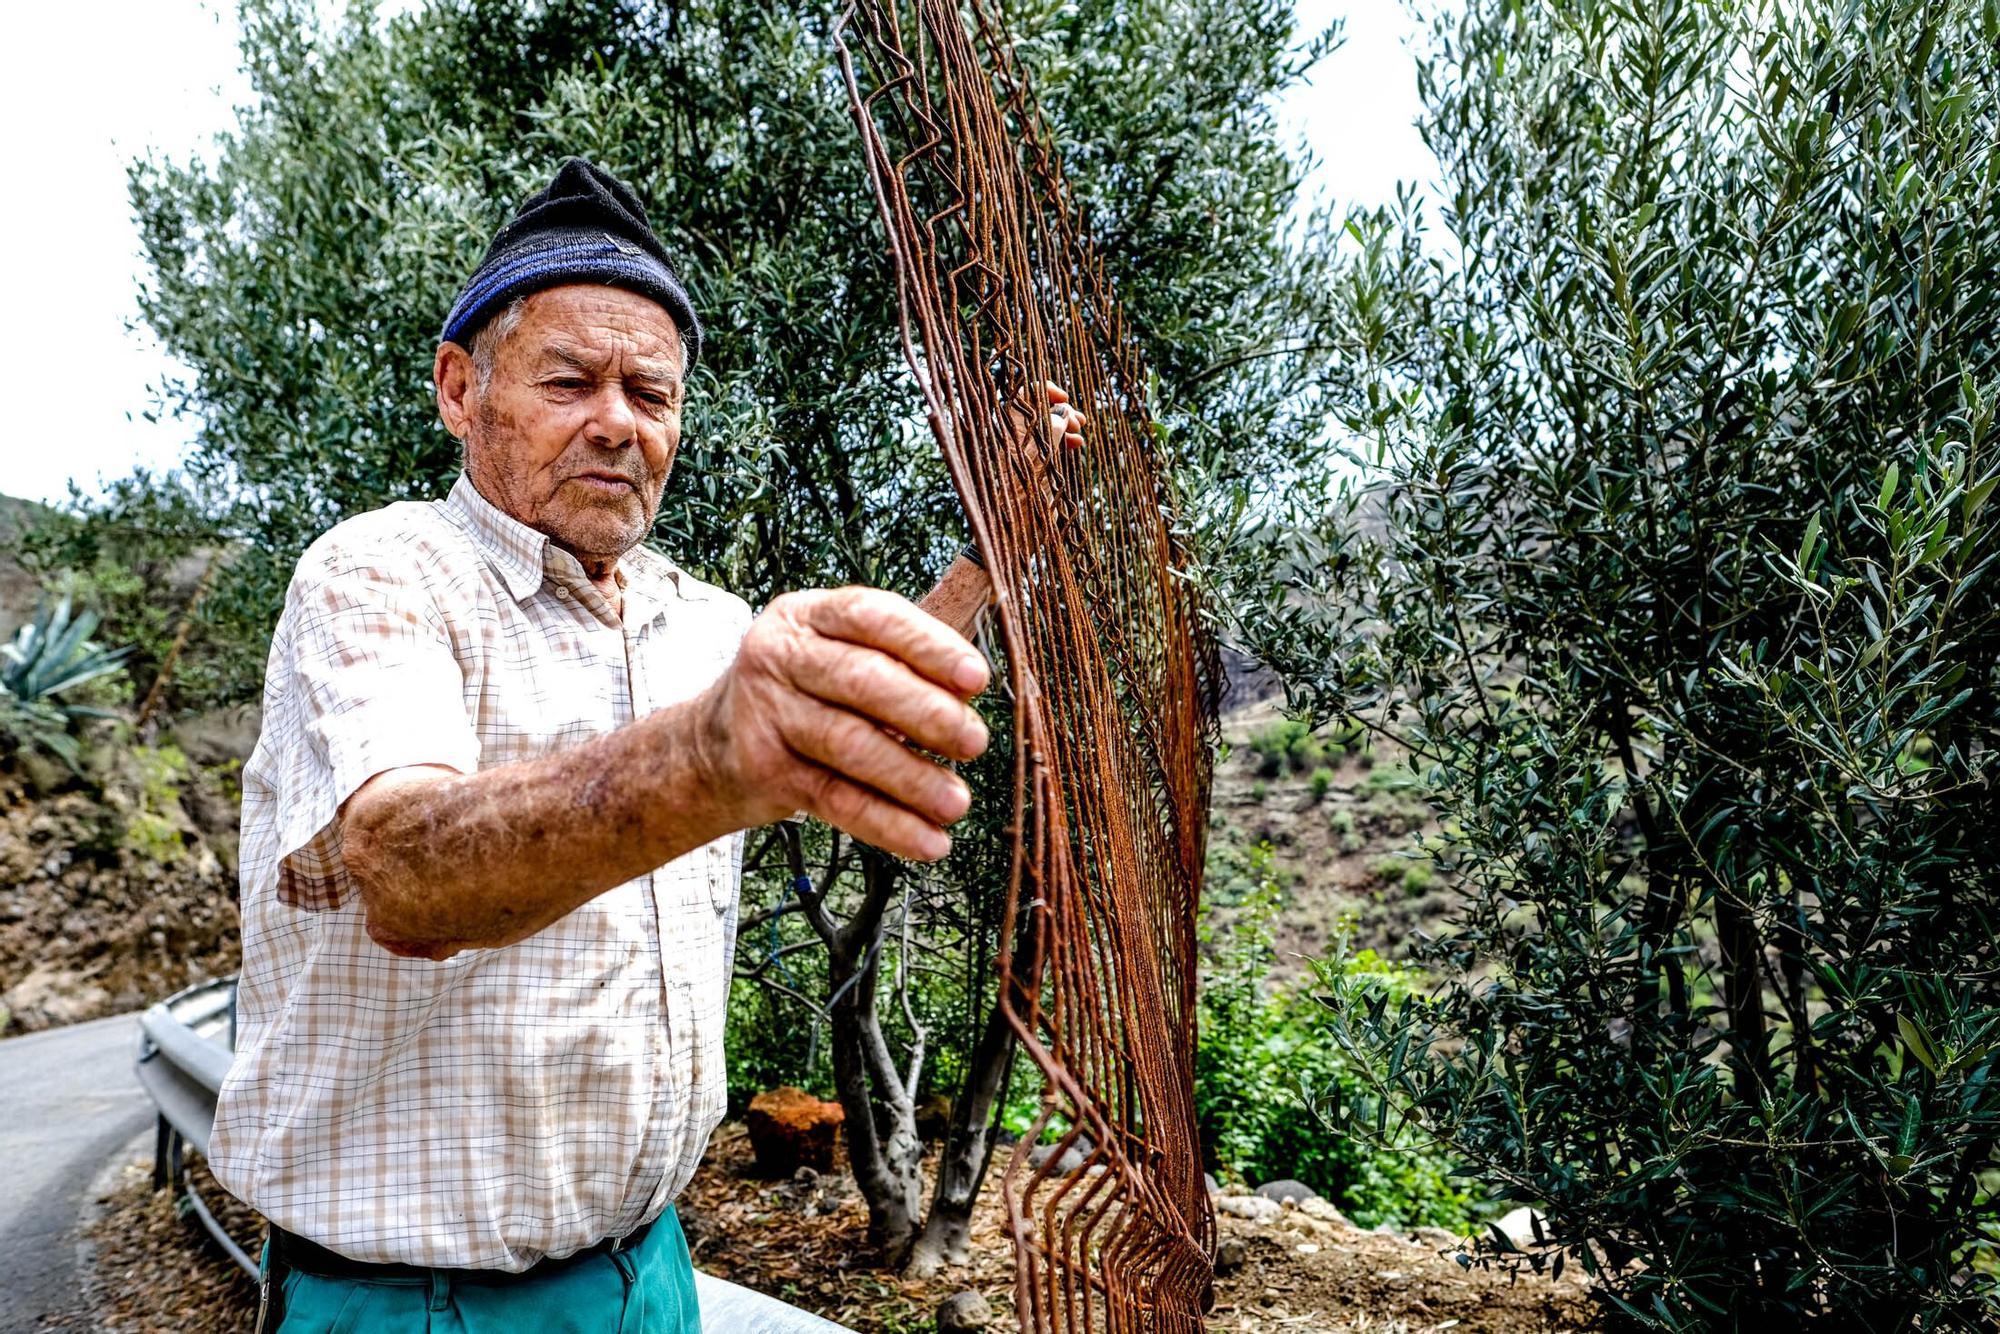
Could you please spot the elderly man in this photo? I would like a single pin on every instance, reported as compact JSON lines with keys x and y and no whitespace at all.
{"x":492,"y":829}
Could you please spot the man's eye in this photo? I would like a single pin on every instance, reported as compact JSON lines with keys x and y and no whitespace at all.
{"x":568,"y":383}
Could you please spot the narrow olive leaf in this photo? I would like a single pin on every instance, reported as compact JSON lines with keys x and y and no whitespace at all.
{"x":1918,"y":1039}
{"x":1906,"y":1134}
{"x":1888,"y":492}
{"x":1809,"y":546}
{"x":1977,"y":495}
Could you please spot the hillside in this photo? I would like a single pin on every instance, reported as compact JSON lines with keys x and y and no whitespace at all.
{"x":1346,"y":849}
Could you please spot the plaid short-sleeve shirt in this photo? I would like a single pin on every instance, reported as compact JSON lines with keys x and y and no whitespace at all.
{"x":504,"y":1104}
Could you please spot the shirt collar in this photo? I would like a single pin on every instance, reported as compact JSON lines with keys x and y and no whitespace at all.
{"x":522,"y":555}
{"x":514,"y":548}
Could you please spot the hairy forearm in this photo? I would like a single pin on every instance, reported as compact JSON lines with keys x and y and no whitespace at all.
{"x":447,"y":861}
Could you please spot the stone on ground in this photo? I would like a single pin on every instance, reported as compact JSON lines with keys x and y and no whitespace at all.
{"x":50,"y":997}
{"x":1281,"y":1191}
{"x":1071,"y":1159}
{"x":1318,"y":1207}
{"x":1519,"y":1227}
{"x":962,"y":1313}
{"x":1253,"y":1207}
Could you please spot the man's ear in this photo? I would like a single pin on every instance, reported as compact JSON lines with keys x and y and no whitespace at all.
{"x":457,"y":382}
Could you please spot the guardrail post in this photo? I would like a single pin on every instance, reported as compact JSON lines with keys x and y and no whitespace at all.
{"x":161,"y":1130}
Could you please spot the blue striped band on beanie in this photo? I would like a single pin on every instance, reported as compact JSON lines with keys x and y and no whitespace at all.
{"x":585,"y":227}
{"x":602,"y":262}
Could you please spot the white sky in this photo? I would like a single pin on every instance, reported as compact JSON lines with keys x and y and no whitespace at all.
{"x":161,"y":75}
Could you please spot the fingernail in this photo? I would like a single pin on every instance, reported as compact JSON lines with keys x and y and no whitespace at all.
{"x":971,"y":674}
{"x":957,"y":800}
{"x":976,"y":738}
{"x":937,"y":846}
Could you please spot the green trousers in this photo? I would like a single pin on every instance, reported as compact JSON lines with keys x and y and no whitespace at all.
{"x":646,"y":1290}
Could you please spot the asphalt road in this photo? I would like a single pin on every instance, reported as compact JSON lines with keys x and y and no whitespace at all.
{"x":68,"y":1101}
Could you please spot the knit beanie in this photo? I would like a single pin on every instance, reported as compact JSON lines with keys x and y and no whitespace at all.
{"x":586,"y":227}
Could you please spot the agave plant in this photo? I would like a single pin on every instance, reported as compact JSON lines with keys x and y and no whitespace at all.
{"x":48,"y":657}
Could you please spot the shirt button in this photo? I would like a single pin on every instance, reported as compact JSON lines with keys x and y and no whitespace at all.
{"x":563,"y":593}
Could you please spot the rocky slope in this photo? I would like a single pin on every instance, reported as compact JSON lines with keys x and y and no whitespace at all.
{"x":1348,"y":847}
{"x":118,"y":891}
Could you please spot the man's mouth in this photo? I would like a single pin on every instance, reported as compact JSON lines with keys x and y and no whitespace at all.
{"x":606,"y":482}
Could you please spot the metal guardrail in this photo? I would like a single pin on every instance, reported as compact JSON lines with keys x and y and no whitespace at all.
{"x":181,"y":1065}
{"x":184,"y":1051}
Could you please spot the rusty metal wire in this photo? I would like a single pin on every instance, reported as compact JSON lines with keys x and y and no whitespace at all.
{"x":1114,"y":674}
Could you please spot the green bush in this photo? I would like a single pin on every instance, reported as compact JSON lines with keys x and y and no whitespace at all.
{"x":1393,"y":780}
{"x":1286,"y":747}
{"x":770,"y":1041}
{"x":1238,"y":872}
{"x":1266,"y":1064}
{"x":1321,"y":783}
{"x":1345,"y":830}
{"x":1259,"y":790}
{"x":145,"y":556}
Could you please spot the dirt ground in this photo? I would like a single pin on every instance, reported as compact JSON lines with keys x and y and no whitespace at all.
{"x":155,"y":1272}
{"x":152,"y":1270}
{"x":1311,"y":1281}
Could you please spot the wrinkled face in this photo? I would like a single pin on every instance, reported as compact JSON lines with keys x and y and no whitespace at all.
{"x":575,"y":431}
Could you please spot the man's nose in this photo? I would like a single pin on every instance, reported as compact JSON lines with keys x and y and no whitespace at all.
{"x":613,"y":424}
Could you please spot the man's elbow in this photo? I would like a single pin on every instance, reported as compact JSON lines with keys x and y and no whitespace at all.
{"x":402,"y":948}
{"x":389,"y":911}
{"x":394,"y":908}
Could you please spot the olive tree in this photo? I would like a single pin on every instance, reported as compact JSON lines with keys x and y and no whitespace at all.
{"x":1673,"y":563}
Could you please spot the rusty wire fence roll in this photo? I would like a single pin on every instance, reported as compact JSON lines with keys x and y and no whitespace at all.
{"x":1114,"y":673}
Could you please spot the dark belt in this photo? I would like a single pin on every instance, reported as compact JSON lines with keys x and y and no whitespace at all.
{"x":292,"y":1251}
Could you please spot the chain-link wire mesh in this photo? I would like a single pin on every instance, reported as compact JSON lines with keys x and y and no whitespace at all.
{"x":1114,"y":674}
